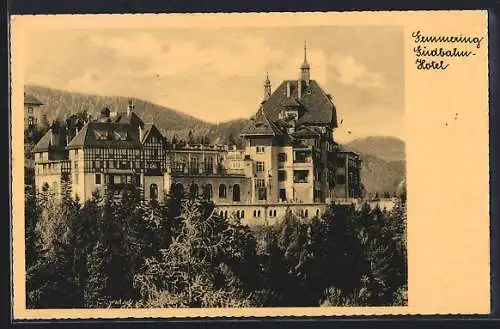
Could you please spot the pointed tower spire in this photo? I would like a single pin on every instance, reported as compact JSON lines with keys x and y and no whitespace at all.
{"x":305,"y":68}
{"x":267,"y":87}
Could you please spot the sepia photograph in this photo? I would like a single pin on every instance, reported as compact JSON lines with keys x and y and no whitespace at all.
{"x":247,"y":166}
{"x":268,"y":169}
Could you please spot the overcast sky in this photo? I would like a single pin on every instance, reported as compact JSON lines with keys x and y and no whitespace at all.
{"x":218,"y":74}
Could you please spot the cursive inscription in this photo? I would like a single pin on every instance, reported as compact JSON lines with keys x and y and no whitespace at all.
{"x":437,"y":57}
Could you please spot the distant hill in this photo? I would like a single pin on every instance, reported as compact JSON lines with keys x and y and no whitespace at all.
{"x":381,"y":176}
{"x":384,"y":164}
{"x":59,"y":104}
{"x":384,"y":147}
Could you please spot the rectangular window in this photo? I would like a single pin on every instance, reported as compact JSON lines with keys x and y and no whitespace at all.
{"x":262,"y":193}
{"x":283,"y":194}
{"x":93,"y":165}
{"x":340,"y":179}
{"x":259,"y":166}
{"x":340,"y":162}
{"x":281,"y":175}
{"x":111,"y":164}
{"x":300,"y":176}
{"x":76,"y":152}
{"x":76,"y":164}
{"x":260,"y":149}
{"x":137,"y":180}
{"x":281,"y":157}
{"x":260,"y":182}
{"x":76,"y":179}
{"x":302,"y":156}
{"x":98,"y":179}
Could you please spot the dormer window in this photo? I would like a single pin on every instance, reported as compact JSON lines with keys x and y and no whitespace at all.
{"x":291,"y":115}
{"x":101,"y":135}
{"x":121,"y":135}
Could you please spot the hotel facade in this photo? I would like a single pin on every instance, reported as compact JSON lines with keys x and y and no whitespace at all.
{"x":289,"y":160}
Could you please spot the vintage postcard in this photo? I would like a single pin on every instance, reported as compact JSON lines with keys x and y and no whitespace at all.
{"x":237,"y":165}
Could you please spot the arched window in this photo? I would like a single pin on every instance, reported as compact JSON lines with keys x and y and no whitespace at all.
{"x":221,"y":214}
{"x":258,"y":213}
{"x":222,"y":191}
{"x":207,"y":191}
{"x":237,"y":214}
{"x":153,"y":192}
{"x":270,"y":213}
{"x":243,"y":214}
{"x":225,"y":214}
{"x":177,"y":190}
{"x":236,"y":192}
{"x":193,"y":190}
{"x":274,"y":213}
{"x":305,"y":213}
{"x":317,"y":212}
{"x":255,"y":213}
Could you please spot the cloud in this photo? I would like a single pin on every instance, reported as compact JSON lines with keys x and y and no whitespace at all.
{"x":351,"y":72}
{"x":215,"y":75}
{"x":245,"y":56}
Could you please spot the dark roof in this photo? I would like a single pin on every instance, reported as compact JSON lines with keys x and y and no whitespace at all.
{"x":132,"y":119}
{"x":302,"y":130}
{"x":290,"y":102}
{"x":261,"y":125}
{"x":150,"y":129}
{"x":87,"y":137}
{"x":31,"y":100}
{"x":315,"y":105}
{"x":51,"y":140}
{"x":343,"y":149}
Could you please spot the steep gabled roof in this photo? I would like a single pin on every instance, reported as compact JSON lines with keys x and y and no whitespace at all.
{"x":88,"y":136}
{"x":51,"y":140}
{"x":150,"y":130}
{"x":314,"y":102}
{"x":31,"y":100}
{"x":132,"y":119}
{"x":261,"y":125}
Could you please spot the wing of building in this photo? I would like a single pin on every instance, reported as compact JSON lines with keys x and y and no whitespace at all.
{"x":290,"y":159}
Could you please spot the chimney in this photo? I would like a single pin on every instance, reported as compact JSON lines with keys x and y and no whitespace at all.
{"x":299,"y":86}
{"x":130,"y":107}
{"x":288,"y":89}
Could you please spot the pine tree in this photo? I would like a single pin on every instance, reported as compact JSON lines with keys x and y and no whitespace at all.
{"x":97,"y":285}
{"x":192,"y":272}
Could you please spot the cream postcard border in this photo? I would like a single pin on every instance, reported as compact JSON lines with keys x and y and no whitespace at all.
{"x":447,"y":164}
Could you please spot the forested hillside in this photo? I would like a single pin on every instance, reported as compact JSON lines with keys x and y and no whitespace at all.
{"x":383,"y":163}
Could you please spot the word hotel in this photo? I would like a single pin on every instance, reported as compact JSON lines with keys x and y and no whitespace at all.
{"x":289,"y":160}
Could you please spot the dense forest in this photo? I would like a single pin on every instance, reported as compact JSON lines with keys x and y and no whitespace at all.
{"x":118,"y":251}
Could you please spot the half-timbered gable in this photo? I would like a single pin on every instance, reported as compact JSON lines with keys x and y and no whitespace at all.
{"x":153,"y":150}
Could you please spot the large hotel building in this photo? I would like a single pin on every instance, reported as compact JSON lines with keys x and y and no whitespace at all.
{"x":289,"y":160}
